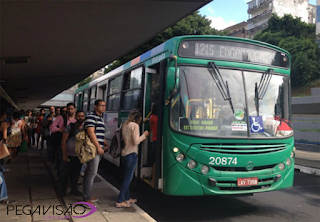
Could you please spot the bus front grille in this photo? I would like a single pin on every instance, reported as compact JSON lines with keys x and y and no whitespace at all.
{"x":242,"y":169}
{"x":232,"y":185}
{"x":242,"y":148}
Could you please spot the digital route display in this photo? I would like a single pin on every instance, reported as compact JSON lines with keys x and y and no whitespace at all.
{"x":233,"y":51}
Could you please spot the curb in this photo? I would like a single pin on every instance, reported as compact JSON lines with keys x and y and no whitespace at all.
{"x":307,"y":170}
{"x":306,"y":142}
{"x":141,"y":212}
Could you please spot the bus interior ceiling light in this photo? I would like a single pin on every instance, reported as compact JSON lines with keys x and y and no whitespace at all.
{"x":175,"y":149}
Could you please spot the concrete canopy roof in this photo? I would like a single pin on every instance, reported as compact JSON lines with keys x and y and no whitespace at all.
{"x":48,"y":46}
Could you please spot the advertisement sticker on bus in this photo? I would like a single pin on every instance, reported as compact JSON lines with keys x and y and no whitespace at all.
{"x":239,"y":126}
{"x":157,"y":59}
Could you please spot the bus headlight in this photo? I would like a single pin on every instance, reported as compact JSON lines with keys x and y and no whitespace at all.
{"x":288,"y":162}
{"x":180,"y":157}
{"x":292,"y":155}
{"x":175,"y":150}
{"x":192,"y":164}
{"x":204,"y":169}
{"x":282,"y":166}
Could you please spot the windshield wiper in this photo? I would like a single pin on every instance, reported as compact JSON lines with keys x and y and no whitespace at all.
{"x":261,"y":89}
{"x":223,"y":87}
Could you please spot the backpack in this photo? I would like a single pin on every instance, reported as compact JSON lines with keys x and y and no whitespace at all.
{"x":116,"y":143}
{"x":72,"y":131}
{"x":84,"y":148}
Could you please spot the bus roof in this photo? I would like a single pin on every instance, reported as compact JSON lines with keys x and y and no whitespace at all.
{"x":165,"y":46}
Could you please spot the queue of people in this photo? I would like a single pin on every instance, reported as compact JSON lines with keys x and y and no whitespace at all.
{"x":59,"y":128}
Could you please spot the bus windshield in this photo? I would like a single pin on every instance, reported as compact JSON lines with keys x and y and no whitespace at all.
{"x":200,"y":108}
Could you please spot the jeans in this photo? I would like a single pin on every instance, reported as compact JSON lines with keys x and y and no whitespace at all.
{"x":51,"y":152}
{"x":89,"y":175}
{"x":59,"y":161}
{"x":3,"y":188}
{"x":130,"y":162}
{"x":71,"y":169}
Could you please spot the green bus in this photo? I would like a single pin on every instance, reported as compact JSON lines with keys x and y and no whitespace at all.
{"x":224,"y":110}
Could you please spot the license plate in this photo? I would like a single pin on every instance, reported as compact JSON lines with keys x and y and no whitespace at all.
{"x":243,"y":182}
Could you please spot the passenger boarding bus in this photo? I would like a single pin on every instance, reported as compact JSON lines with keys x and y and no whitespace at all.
{"x":224,"y":108}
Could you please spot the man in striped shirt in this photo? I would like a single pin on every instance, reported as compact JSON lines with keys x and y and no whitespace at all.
{"x":95,"y":128}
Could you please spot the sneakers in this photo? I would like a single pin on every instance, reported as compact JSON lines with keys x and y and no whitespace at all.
{"x":76,"y":193}
{"x":7,"y":202}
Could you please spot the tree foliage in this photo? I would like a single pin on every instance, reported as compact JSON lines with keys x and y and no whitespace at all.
{"x":85,"y":81}
{"x":298,"y":38}
{"x":194,"y":24}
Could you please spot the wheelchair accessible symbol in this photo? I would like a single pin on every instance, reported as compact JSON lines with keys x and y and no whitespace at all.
{"x":256,"y":124}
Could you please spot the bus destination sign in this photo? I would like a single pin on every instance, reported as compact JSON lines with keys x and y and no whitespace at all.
{"x":233,"y":51}
{"x":200,"y":124}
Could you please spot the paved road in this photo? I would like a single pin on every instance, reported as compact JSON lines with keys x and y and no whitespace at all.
{"x":308,"y":155}
{"x":299,"y":203}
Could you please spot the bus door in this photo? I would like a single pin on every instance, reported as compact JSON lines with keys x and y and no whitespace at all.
{"x":151,"y":96}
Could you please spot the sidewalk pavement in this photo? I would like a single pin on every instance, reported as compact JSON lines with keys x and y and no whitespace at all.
{"x":307,"y":158}
{"x":32,"y":183}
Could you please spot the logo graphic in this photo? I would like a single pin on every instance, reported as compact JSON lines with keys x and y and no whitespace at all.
{"x":56,"y":212}
{"x":238,"y":114}
{"x":256,"y":124}
{"x":249,"y":165}
{"x":93,"y":209}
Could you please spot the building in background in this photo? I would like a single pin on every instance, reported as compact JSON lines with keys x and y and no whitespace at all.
{"x":62,"y":99}
{"x":318,"y":22}
{"x":260,"y":11}
{"x":238,"y":30}
{"x":97,"y":74}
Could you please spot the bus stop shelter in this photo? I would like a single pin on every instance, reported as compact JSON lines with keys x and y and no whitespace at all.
{"x":48,"y":46}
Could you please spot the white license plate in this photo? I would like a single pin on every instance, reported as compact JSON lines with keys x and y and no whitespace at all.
{"x":244,"y":182}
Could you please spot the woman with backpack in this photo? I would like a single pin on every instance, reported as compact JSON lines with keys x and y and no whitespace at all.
{"x":17,"y":133}
{"x":4,"y":132}
{"x":129,"y":155}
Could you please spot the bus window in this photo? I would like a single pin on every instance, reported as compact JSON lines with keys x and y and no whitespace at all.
{"x":93,"y":95}
{"x":85,"y":106}
{"x":93,"y":92}
{"x":85,"y":100}
{"x":131,"y":99}
{"x":113,"y":98}
{"x":132,"y":89}
{"x":113,"y":103}
{"x":133,"y":79}
{"x":85,"y":95}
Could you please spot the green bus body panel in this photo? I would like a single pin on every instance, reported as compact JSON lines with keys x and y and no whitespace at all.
{"x":182,"y":182}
